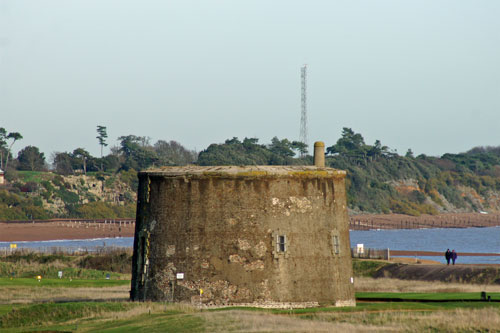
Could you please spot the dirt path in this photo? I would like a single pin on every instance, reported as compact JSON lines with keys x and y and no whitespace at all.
{"x":439,"y":254}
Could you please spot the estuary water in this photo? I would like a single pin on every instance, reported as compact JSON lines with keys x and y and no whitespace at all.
{"x":479,"y":240}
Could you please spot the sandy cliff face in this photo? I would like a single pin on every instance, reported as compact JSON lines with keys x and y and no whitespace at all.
{"x":469,"y":200}
{"x":83,"y":189}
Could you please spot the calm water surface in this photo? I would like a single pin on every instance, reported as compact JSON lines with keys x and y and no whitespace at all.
{"x":481,"y":240}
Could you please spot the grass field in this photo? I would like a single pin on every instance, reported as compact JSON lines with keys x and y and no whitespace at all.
{"x":114,"y":314}
{"x":62,"y":283}
{"x":95,"y":304}
{"x":33,"y":176}
{"x":156,"y":317}
{"x":425,"y":296}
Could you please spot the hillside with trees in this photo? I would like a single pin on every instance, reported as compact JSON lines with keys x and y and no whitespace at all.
{"x":381,"y":181}
{"x":77,"y":184}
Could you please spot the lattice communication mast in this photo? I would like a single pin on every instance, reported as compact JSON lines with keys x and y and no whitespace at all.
{"x":303,"y":115}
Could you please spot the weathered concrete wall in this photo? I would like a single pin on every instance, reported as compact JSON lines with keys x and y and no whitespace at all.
{"x":221,"y":227}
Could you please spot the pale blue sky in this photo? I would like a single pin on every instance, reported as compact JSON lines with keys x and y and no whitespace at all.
{"x":419,"y":74}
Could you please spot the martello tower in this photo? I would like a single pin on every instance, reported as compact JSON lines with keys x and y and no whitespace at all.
{"x":256,"y":235}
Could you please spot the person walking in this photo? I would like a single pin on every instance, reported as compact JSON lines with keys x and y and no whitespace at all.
{"x":453,"y":256}
{"x":447,"y":256}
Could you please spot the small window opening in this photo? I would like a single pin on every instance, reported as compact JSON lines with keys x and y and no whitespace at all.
{"x":336,"y":245}
{"x":281,"y":243}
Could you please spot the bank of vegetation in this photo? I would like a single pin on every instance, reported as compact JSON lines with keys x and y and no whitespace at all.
{"x":379,"y":180}
{"x":114,"y":264}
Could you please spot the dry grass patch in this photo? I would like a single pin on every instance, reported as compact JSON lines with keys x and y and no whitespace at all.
{"x":25,"y":295}
{"x":395,"y":285}
{"x":458,"y":320}
{"x":241,"y":321}
{"x":151,"y":308}
{"x":139,"y":309}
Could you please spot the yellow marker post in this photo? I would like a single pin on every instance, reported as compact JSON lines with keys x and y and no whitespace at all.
{"x":201,"y":293}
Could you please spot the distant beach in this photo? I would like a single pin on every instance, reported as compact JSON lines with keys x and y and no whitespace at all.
{"x":43,"y":231}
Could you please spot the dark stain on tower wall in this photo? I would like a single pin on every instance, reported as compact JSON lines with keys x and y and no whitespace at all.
{"x":259,"y":235}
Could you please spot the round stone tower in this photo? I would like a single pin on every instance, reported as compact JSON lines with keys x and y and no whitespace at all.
{"x":253,"y":235}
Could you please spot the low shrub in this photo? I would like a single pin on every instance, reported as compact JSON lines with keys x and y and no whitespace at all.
{"x":38,"y":258}
{"x":114,"y":262}
{"x":366,"y":268}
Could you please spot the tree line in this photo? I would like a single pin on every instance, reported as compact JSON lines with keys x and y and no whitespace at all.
{"x":138,"y":152}
{"x":133,"y":152}
{"x":373,"y":169}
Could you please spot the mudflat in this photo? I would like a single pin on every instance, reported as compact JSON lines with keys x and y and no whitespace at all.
{"x":37,"y":231}
{"x":40,"y":231}
{"x":445,"y":220}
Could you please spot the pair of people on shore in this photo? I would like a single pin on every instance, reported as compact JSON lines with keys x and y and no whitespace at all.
{"x":450,"y":255}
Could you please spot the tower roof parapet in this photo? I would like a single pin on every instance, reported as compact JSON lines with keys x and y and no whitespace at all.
{"x":251,"y":171}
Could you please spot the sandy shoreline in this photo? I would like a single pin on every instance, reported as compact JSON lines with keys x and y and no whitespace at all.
{"x":15,"y":232}
{"x":399,"y":221}
{"x":86,"y":229}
